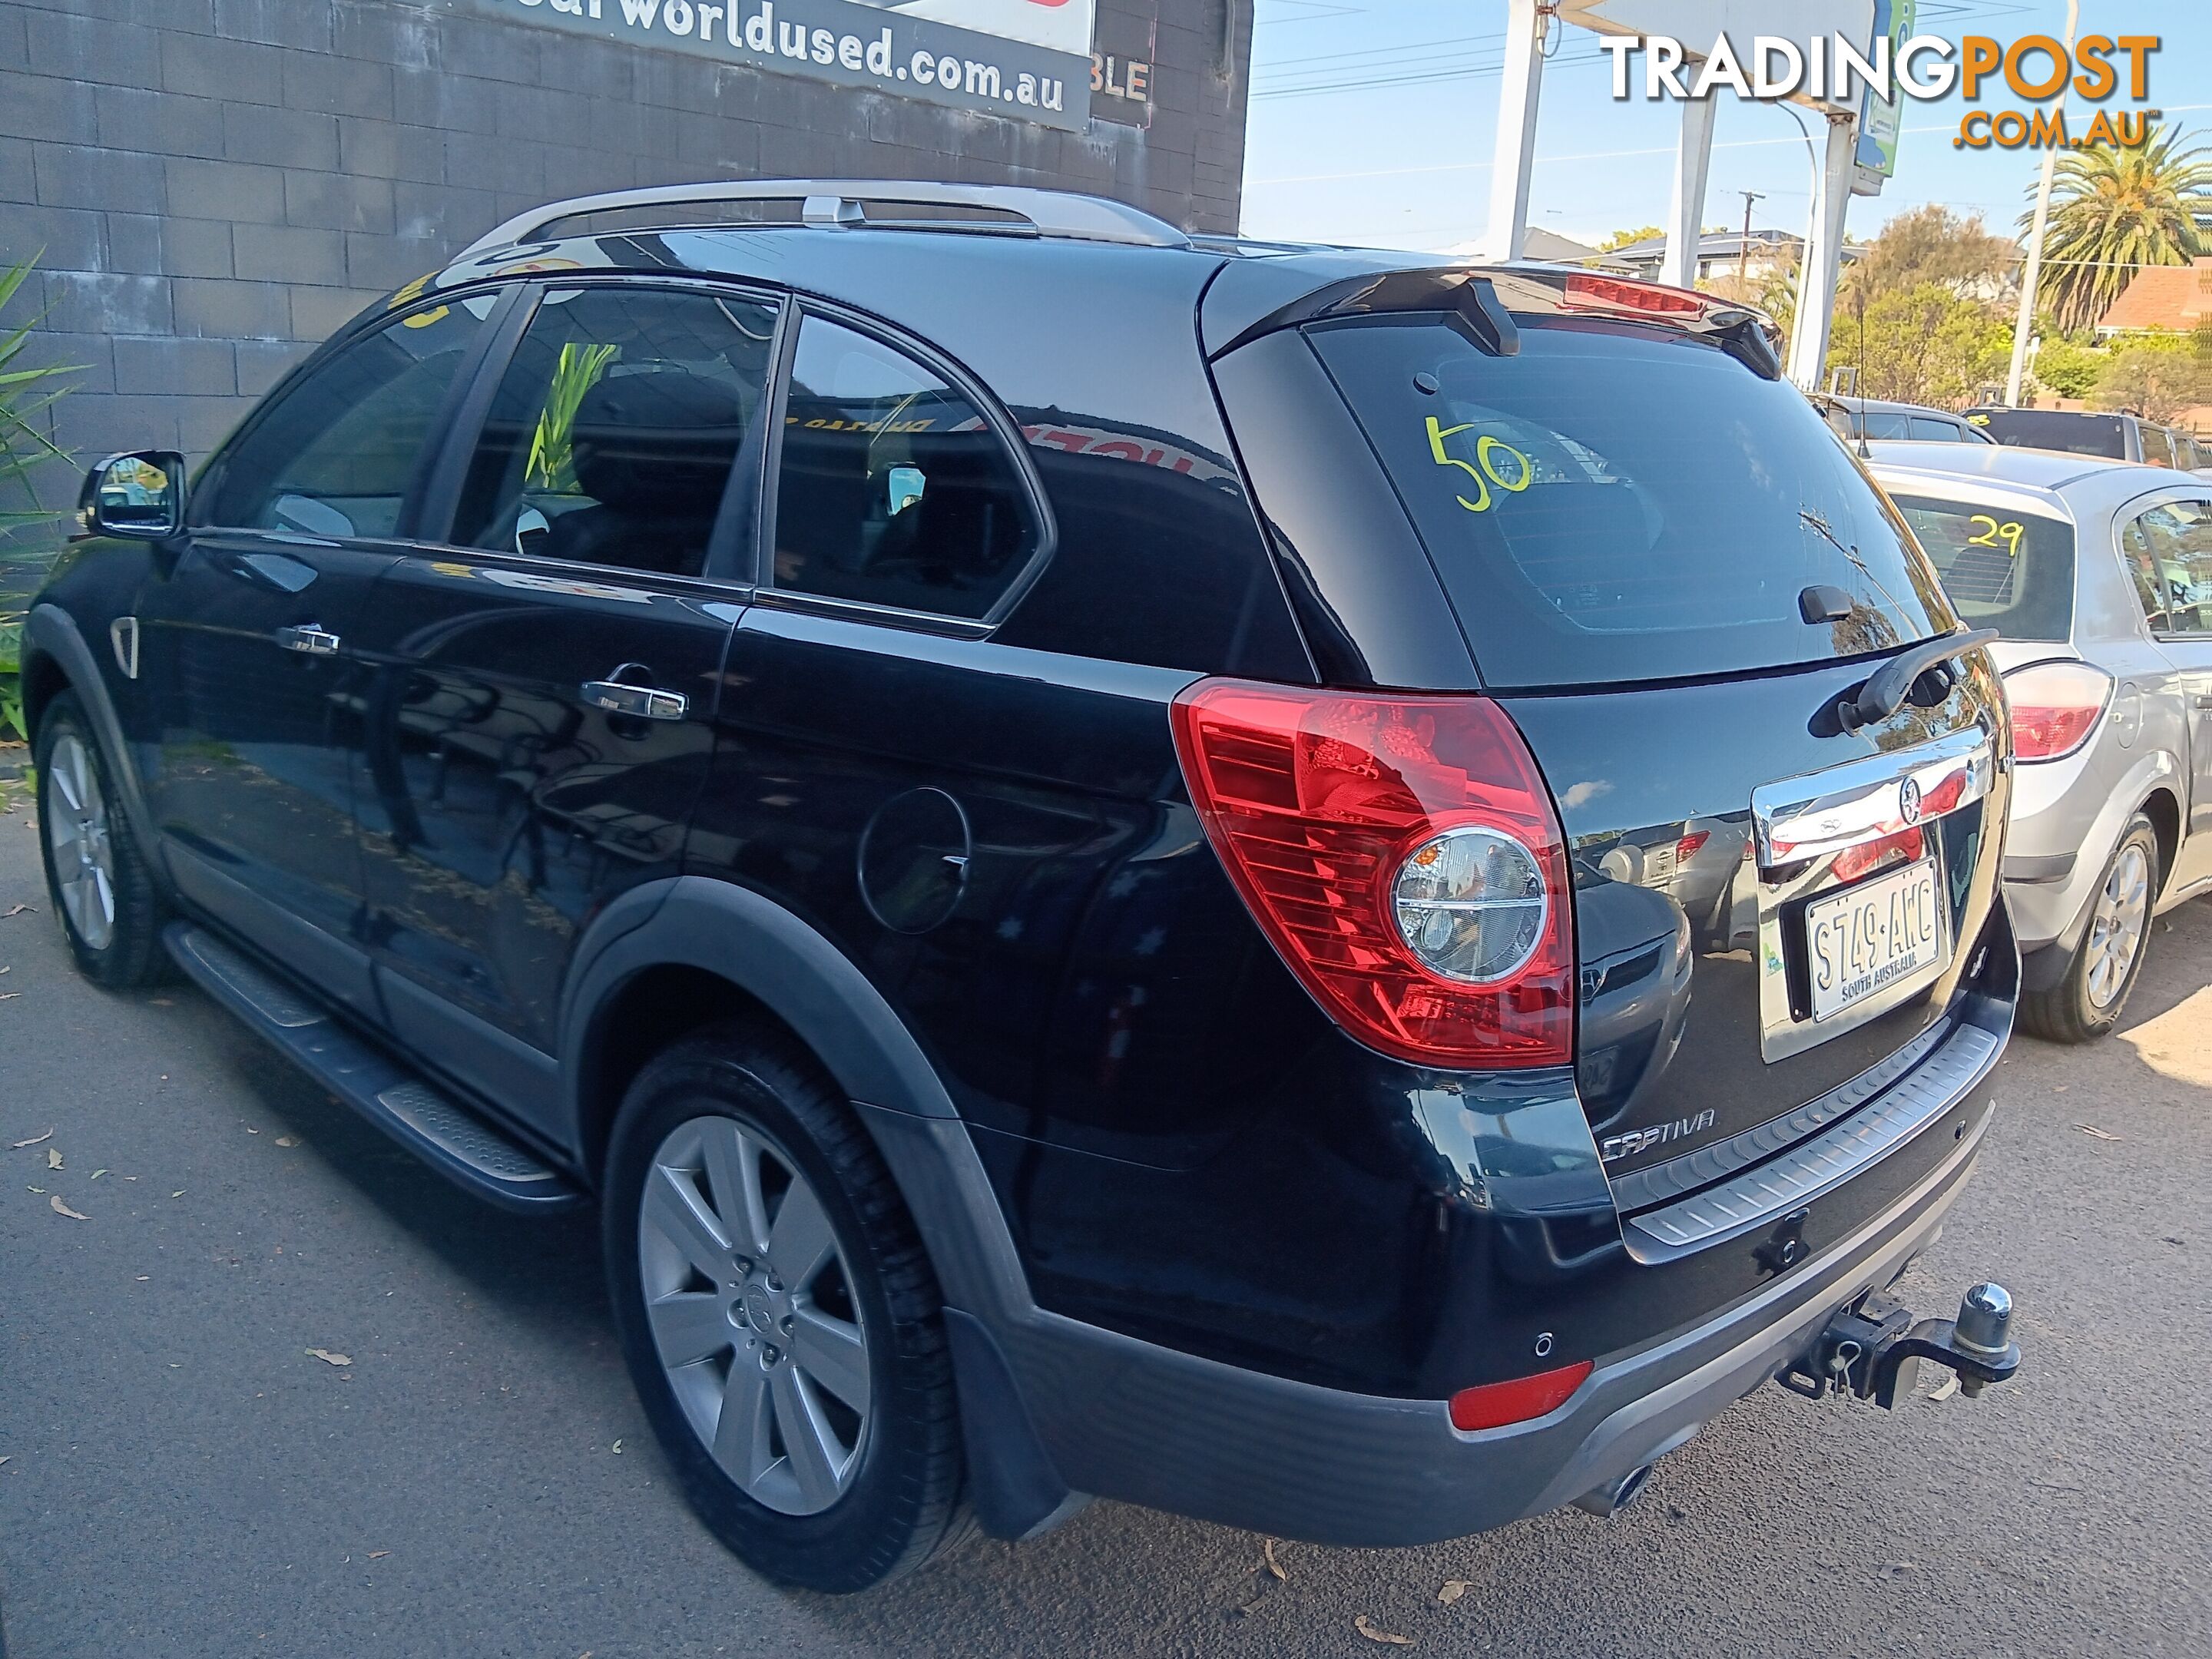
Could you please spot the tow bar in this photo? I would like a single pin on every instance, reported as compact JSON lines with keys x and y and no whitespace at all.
{"x":1872,"y":1349}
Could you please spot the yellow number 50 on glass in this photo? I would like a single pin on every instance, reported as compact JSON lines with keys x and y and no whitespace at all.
{"x":1485,"y":469}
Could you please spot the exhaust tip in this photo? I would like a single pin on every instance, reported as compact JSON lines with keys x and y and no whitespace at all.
{"x":1615,"y":1496}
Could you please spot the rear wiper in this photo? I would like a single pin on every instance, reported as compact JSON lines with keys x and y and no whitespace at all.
{"x":1885,"y":690}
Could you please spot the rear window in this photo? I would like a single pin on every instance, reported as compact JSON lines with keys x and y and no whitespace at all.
{"x":2003,"y":569}
{"x":2051,"y":428}
{"x":1615,"y":503}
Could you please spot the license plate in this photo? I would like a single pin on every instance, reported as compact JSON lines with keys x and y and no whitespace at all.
{"x":1858,"y":943}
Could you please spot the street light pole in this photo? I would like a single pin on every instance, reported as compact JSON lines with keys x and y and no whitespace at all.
{"x":2026,"y":320}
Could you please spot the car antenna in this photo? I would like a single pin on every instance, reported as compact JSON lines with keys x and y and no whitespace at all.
{"x":1865,"y":454}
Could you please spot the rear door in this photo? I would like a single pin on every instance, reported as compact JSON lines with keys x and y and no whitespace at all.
{"x":1669,"y":573}
{"x":2168,"y":552}
{"x":249,"y":639}
{"x":540,"y":720}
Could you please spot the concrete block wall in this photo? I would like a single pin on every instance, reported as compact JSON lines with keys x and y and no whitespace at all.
{"x":212,"y":186}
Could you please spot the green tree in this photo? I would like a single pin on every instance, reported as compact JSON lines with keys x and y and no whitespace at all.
{"x":2068,"y":368}
{"x":1922,"y":344}
{"x":2157,"y":375}
{"x":2112,"y":212}
{"x":1932,"y":245}
{"x":1622,"y":238}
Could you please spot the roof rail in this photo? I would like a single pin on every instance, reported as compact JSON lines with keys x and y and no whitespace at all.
{"x":845,"y":202}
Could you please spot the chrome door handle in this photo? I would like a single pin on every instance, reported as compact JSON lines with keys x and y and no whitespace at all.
{"x":642,"y":702}
{"x":310,"y":638}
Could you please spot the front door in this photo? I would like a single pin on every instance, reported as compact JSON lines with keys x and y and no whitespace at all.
{"x":248,"y":639}
{"x":539,"y":721}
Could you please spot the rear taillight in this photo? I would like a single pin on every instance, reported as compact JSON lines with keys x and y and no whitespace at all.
{"x":1494,"y":1405}
{"x":1688,"y":845}
{"x":1403,"y":855}
{"x":2055,"y":707}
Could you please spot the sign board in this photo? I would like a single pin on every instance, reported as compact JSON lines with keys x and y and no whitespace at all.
{"x":1698,"y":23}
{"x":1028,"y":59}
{"x":1879,"y":119}
{"x":1122,"y":60}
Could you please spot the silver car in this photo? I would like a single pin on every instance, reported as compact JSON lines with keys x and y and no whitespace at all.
{"x":2098,"y":575}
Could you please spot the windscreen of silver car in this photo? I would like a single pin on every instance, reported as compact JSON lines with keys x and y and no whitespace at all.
{"x":2004,"y":568}
{"x":1622,"y":503}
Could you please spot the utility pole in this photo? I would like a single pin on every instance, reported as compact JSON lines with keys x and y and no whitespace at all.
{"x":2026,"y":321}
{"x":1743,"y":248}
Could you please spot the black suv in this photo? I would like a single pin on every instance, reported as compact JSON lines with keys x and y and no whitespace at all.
{"x":1335,"y":894}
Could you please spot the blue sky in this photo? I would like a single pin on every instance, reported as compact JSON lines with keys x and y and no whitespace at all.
{"x":1371,"y":122}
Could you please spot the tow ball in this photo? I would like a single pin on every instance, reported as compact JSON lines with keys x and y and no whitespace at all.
{"x":1872,"y":1349}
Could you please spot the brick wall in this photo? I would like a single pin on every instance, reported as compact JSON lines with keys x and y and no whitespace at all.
{"x":214,"y":186}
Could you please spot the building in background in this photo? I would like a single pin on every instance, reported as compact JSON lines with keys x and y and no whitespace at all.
{"x":2176,"y":297}
{"x":211,"y":186}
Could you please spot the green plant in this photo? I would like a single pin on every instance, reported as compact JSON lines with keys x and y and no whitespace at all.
{"x":2113,"y":212}
{"x":2068,"y":368}
{"x":26,"y":391}
{"x":2156,"y":374}
{"x":552,"y":461}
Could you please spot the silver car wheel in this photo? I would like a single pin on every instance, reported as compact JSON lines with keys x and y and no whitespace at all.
{"x":753,"y":1314}
{"x":77,"y":842}
{"x":2117,"y":927}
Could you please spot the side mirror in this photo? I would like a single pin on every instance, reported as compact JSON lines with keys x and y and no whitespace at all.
{"x":139,"y":496}
{"x":907,"y":484}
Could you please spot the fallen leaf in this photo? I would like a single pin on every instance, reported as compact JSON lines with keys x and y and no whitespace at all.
{"x":19,"y":1145}
{"x":41,"y":1191}
{"x":1453,"y":1589}
{"x":253,"y":1131}
{"x":143,"y":1278}
{"x":286,"y":1140}
{"x":617,"y":1449}
{"x":330,"y":1358}
{"x":179,"y":1192}
{"x":17,"y":910}
{"x":53,"y":1158}
{"x":7,"y":1460}
{"x":1267,"y":1552}
{"x":1946,"y":1388}
{"x":1366,"y":1629}
{"x":55,"y":1205}
{"x":96,"y":1174}
{"x":378,"y":1555}
{"x":9,"y":996}
{"x":2092,"y":1131}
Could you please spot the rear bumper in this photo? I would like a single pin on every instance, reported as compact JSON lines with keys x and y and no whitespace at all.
{"x":1053,"y":1406}
{"x":1147,"y":1424}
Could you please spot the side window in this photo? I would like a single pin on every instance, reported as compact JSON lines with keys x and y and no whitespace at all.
{"x":2157,"y":445}
{"x":2168,"y":551}
{"x":893,"y":488}
{"x":611,"y":439}
{"x":337,"y":453}
{"x":1884,"y":423}
{"x":1934,"y":431}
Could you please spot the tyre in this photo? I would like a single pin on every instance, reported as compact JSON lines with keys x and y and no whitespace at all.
{"x":780,"y":1316}
{"x":97,"y":877}
{"x":2087,"y":1003}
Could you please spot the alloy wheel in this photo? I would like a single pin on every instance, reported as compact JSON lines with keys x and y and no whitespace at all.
{"x":78,"y":842}
{"x":2117,"y":927}
{"x":753,"y":1314}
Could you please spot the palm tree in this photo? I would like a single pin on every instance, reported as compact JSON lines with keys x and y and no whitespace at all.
{"x":2113,"y":212}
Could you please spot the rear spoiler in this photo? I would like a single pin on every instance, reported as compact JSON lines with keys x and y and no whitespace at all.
{"x":1481,"y":304}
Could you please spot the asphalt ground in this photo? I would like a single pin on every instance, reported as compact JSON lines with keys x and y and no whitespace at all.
{"x":183,"y":1476}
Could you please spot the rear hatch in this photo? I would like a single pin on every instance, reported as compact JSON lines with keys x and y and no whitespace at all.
{"x":1634,"y":517}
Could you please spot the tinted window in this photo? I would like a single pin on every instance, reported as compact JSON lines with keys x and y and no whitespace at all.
{"x":1614,"y":503}
{"x":336,"y":454}
{"x":893,"y":489}
{"x":2157,"y":446}
{"x":1935,"y":431}
{"x":612,"y":434}
{"x":2052,"y":429}
{"x":1884,"y":423}
{"x":2168,"y":552}
{"x":2005,"y":569}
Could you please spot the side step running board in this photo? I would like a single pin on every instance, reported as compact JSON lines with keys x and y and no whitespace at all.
{"x":449,"y":1137}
